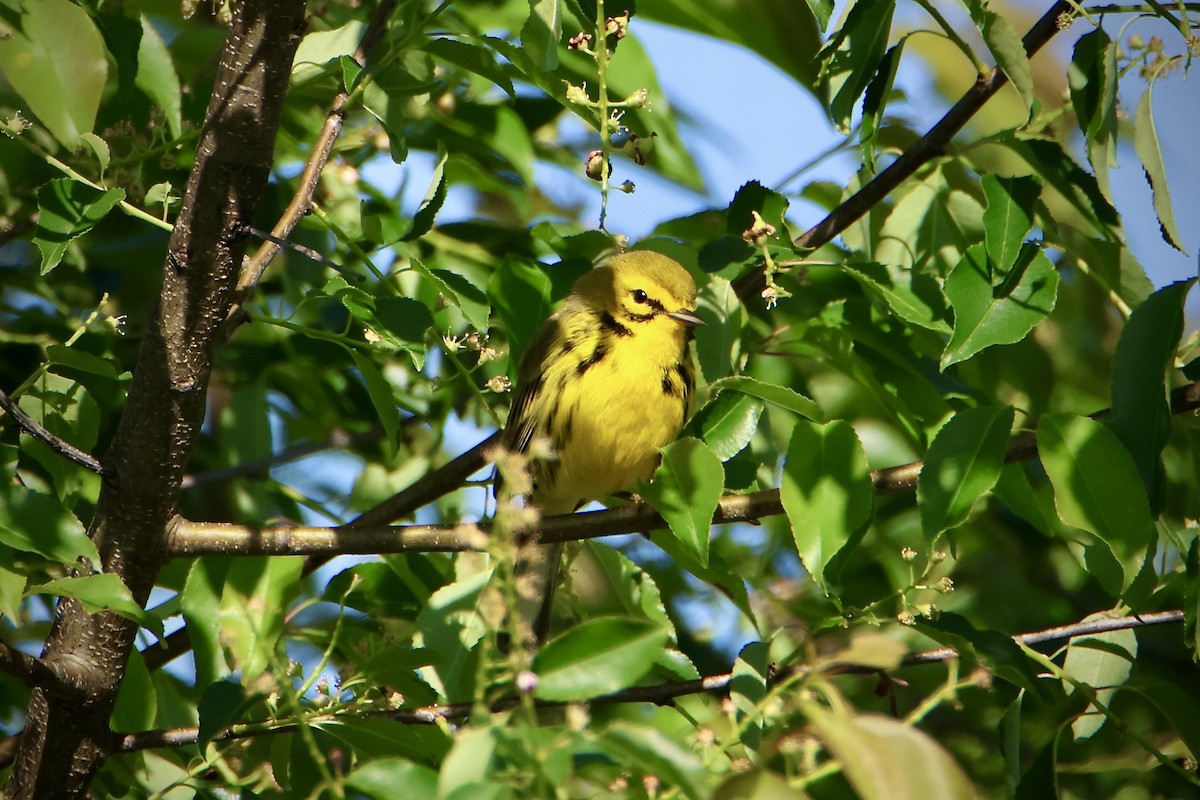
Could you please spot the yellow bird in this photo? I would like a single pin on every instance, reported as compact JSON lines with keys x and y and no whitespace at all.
{"x":607,"y":380}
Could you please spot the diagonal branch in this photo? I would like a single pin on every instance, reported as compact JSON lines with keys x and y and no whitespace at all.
{"x":310,"y":176}
{"x":927,"y":148}
{"x":55,"y":443}
{"x":658,"y":693}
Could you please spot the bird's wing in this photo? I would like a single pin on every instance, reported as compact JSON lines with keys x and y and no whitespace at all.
{"x":522,"y":425}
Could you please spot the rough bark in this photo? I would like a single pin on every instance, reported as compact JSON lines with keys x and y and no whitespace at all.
{"x":67,"y":732}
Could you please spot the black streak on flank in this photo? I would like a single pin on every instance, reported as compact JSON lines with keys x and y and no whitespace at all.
{"x":685,"y":377}
{"x":668,"y":386}
{"x":608,"y":323}
{"x":595,"y":358}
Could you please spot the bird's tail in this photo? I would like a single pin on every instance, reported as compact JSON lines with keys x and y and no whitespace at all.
{"x":537,"y":574}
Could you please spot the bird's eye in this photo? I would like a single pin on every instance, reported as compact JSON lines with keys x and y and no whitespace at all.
{"x":639,"y":296}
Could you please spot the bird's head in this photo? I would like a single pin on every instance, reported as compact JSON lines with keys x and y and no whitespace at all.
{"x":640,"y":287}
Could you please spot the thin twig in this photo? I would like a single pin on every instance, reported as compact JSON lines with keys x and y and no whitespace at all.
{"x":55,"y":443}
{"x":261,"y":468}
{"x":310,"y":176}
{"x":657,"y":693}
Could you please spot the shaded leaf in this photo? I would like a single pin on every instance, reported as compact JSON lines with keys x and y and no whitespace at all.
{"x":1007,"y":219}
{"x":962,"y":464}
{"x":1096,"y":487}
{"x":827,"y":493}
{"x":1145,"y":142}
{"x":685,"y":490}
{"x":68,"y":209}
{"x":1142,"y":365}
{"x":597,"y":657}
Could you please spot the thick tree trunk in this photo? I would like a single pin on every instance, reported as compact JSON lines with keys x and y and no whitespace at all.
{"x":67,"y":733}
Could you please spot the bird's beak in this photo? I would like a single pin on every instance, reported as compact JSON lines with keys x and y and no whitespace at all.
{"x":688,"y":318}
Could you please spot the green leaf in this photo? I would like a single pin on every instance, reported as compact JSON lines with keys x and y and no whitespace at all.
{"x":380,"y":392}
{"x":757,"y":784}
{"x":747,"y":689}
{"x":1009,"y":51}
{"x":719,"y":340}
{"x":1102,"y":661}
{"x":652,"y":752}
{"x":1096,"y":487}
{"x":1093,"y":82}
{"x":157,"y":78}
{"x":393,"y":779}
{"x":994,"y":649}
{"x":58,"y":64}
{"x":387,"y":98}
{"x":403,"y":323}
{"x":962,"y":464}
{"x":200,"y":603}
{"x":597,"y":657}
{"x":99,"y":147}
{"x":1058,"y":170}
{"x":780,"y":396}
{"x":1007,"y":219}
{"x":787,"y":35}
{"x":78,"y":359}
{"x":851,"y":57}
{"x":136,"y":697}
{"x":879,"y":91}
{"x":254,"y":601}
{"x":912,"y":296}
{"x":459,"y":292}
{"x":1174,"y":698}
{"x":1145,"y":142}
{"x":885,"y":759}
{"x":728,"y":422}
{"x":12,"y":588}
{"x":221,"y":705}
{"x":685,"y":490}
{"x":34,"y":522}
{"x":1142,"y":365}
{"x":827,"y":494}
{"x":1191,"y":599}
{"x":68,"y":210}
{"x":985,"y":316}
{"x":122,"y":36}
{"x":102,"y":592}
{"x":520,"y":294}
{"x":473,"y":58}
{"x":422,"y":221}
{"x":380,"y":738}
{"x":541,"y":33}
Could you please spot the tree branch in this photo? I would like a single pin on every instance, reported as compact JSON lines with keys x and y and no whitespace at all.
{"x":658,"y":693}
{"x":927,"y":148}
{"x":55,"y":443}
{"x":30,"y":670}
{"x":363,"y":538}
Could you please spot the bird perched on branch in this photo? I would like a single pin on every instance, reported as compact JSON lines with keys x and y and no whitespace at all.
{"x":607,"y":380}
